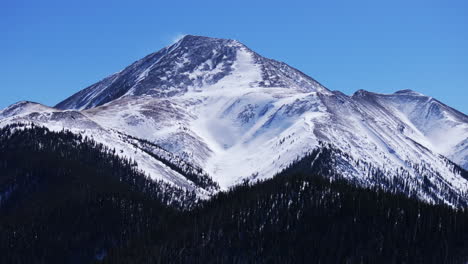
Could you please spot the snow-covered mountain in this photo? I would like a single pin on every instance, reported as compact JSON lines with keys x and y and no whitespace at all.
{"x":223,"y":112}
{"x":191,"y":63}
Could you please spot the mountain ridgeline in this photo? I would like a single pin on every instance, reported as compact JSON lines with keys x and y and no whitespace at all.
{"x":68,"y":199}
{"x":207,"y":152}
{"x":206,"y":114}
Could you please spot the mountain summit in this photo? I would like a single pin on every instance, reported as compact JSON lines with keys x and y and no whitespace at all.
{"x":192,"y":63}
{"x":205,"y":114}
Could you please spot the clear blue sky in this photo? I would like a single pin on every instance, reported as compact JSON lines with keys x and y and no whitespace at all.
{"x":51,"y":49}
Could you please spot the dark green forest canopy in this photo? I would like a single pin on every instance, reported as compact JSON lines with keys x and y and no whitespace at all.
{"x":67,"y":199}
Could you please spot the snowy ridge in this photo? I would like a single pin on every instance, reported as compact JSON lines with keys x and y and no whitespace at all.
{"x":217,"y":108}
{"x":149,"y":162}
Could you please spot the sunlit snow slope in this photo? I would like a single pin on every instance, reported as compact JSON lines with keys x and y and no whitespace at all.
{"x":215,"y":104}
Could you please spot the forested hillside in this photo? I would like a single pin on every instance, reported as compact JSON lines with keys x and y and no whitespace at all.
{"x":66,"y":199}
{"x":300,"y":217}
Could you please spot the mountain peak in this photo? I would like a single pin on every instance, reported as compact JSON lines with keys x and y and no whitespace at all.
{"x":187,"y":39}
{"x":194,"y":42}
{"x":23,"y":107}
{"x":193,"y":63}
{"x":361,"y":93}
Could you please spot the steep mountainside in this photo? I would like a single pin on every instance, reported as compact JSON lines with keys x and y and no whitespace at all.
{"x":445,"y":129}
{"x":227,"y":114}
